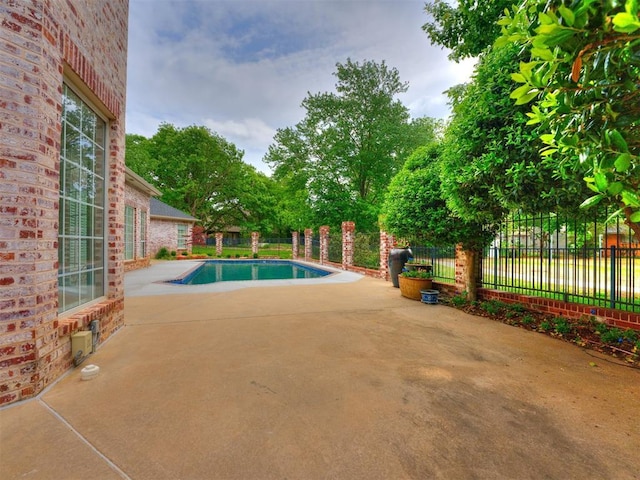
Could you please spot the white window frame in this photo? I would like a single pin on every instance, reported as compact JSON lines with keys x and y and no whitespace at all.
{"x":183,"y":232}
{"x":82,"y":242}
{"x":129,"y":232}
{"x":142,"y":251}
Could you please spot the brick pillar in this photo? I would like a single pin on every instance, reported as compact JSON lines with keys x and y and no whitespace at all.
{"x":386,"y":244}
{"x":308,"y":244}
{"x":219,"y":243}
{"x":295,"y":241}
{"x":348,"y":238}
{"x":255,"y":237}
{"x":324,"y":244}
{"x":461,"y":284}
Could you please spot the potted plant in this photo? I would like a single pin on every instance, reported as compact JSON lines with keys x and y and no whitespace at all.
{"x":414,"y":264}
{"x":412,"y":281}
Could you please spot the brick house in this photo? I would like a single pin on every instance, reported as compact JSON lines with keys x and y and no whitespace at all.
{"x":137,"y":195}
{"x":170,"y":228}
{"x":62,"y":184}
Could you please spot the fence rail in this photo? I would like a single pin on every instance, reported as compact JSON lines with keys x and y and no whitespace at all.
{"x":588,"y":262}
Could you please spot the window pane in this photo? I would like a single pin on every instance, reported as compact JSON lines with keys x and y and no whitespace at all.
{"x":82,"y":199}
{"x":71,"y":216}
{"x":72,"y":181}
{"x":71,"y":291}
{"x":71,"y":255}
{"x":98,"y":222}
{"x":98,"y":285}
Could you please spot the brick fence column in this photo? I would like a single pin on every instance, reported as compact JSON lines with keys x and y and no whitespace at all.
{"x":295,"y":241}
{"x":348,"y":237}
{"x":219,"y":243}
{"x":460,"y":260}
{"x":255,"y":237}
{"x":324,"y":244}
{"x":308,"y":244}
{"x":386,"y":244}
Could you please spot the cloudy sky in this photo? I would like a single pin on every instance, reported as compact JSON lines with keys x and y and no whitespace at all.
{"x":242,"y":67}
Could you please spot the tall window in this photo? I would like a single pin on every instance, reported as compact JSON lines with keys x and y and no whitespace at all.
{"x":129,"y":232}
{"x":143,"y":234}
{"x":81,"y":234}
{"x":182,"y":236}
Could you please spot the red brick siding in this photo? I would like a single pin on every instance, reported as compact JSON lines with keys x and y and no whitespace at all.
{"x":40,"y":41}
{"x":140,"y":202}
{"x":164,"y":233}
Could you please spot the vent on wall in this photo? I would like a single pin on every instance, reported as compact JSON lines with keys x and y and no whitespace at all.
{"x":81,"y":346}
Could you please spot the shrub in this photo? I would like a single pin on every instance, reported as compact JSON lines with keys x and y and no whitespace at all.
{"x":612,"y":335}
{"x":173,"y":253}
{"x":527,"y":319}
{"x":562,"y":326}
{"x":459,"y":300}
{"x":546,"y":325}
{"x":492,"y":307}
{"x":163,"y":254}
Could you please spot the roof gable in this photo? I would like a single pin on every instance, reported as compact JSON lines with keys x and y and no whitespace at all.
{"x":160,"y":209}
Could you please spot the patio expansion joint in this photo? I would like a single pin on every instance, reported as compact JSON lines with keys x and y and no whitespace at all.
{"x":84,"y":440}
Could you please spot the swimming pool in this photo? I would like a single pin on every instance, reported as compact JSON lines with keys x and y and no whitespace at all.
{"x":213,"y":271}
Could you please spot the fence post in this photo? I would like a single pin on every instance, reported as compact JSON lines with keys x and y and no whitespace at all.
{"x":255,"y":237}
{"x":386,"y":243}
{"x":348,"y":231}
{"x":495,"y":267}
{"x":612,"y":256}
{"x":295,"y":241}
{"x":308,"y":244}
{"x":324,"y":244}
{"x":461,"y":264}
{"x":219,"y":237}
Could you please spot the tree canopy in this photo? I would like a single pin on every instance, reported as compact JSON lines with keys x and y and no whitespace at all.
{"x":467,"y":28}
{"x":203,"y":174}
{"x":490,"y":156}
{"x":342,"y":155}
{"x":583,"y":77}
{"x":414,"y":205}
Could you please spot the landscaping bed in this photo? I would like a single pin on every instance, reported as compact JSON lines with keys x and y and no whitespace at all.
{"x":589,"y":333}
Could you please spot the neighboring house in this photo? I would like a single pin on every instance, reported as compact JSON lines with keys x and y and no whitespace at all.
{"x":621,"y":238}
{"x":137,"y":193}
{"x":231,"y":236}
{"x":170,"y":228}
{"x":62,"y":185}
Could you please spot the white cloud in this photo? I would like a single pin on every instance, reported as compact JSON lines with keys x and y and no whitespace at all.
{"x":242,"y":67}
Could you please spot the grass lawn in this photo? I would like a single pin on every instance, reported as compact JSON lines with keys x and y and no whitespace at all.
{"x":278,"y":250}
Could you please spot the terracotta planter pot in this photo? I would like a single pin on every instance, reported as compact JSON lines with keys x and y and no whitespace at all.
{"x":410,"y":287}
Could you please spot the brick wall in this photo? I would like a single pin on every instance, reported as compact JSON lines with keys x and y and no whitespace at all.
{"x":164,"y":233}
{"x":140,"y":203}
{"x":43,"y":42}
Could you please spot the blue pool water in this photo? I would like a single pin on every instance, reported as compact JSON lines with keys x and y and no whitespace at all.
{"x":213,"y":271}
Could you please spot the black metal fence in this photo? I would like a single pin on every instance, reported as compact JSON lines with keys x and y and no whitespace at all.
{"x":582,"y":261}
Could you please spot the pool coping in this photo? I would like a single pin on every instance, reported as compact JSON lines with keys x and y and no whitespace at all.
{"x":155,"y":280}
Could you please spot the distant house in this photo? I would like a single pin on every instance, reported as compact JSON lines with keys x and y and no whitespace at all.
{"x":169,"y":228}
{"x":137,"y":196}
{"x":622,"y":239}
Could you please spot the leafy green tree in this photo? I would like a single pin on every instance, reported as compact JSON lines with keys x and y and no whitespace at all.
{"x":198,"y":172}
{"x":342,"y":155}
{"x":583,"y":77}
{"x":415,"y":206}
{"x":467,"y":28}
{"x":490,"y":158}
{"x":138,"y":158}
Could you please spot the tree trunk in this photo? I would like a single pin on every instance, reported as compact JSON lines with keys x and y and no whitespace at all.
{"x":470,"y":273}
{"x":634,"y":226}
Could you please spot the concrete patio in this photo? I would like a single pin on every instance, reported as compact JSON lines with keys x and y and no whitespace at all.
{"x":334,"y":379}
